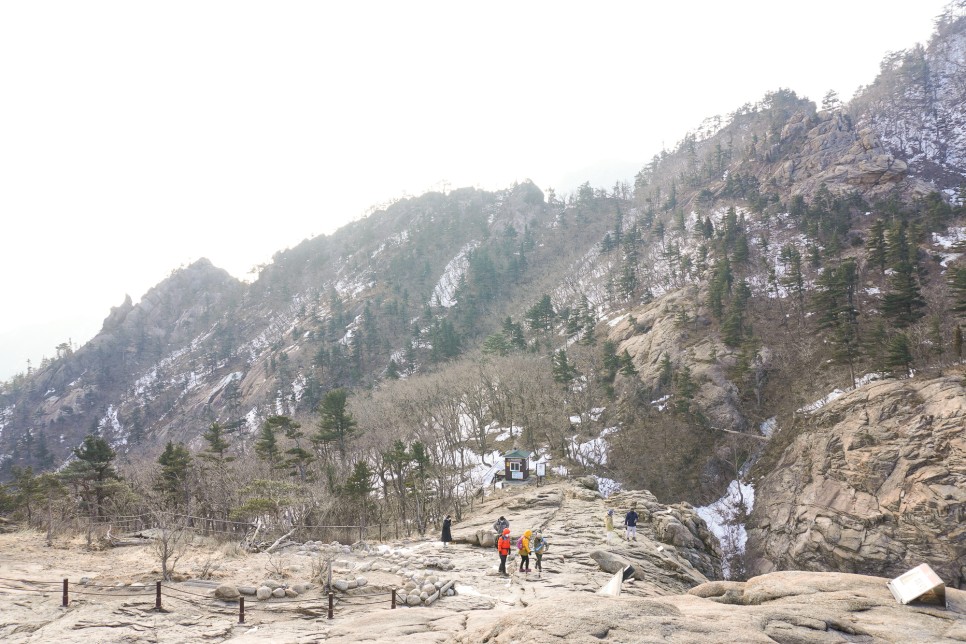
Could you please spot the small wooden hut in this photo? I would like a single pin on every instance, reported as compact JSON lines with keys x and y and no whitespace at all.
{"x":516,"y":465}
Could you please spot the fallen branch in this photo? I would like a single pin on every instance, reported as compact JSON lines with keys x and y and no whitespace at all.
{"x":280,"y":540}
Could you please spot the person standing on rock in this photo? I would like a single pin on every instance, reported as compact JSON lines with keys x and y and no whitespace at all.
{"x":524,"y":549}
{"x":501,"y":525}
{"x":539,"y":547}
{"x":503,"y":547}
{"x":609,"y":523}
{"x":630,"y":524}
{"x":447,"y":535}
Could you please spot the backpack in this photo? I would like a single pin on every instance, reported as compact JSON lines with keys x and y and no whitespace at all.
{"x":520,"y":543}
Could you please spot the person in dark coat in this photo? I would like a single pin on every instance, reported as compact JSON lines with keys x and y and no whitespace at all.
{"x":447,"y":535}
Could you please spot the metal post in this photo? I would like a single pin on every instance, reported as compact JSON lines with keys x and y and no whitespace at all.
{"x":331,"y":596}
{"x":157,"y":596}
{"x":393,"y":598}
{"x":65,"y":594}
{"x":241,"y":610}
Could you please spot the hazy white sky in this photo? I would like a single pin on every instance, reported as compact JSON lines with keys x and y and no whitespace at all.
{"x":137,"y":137}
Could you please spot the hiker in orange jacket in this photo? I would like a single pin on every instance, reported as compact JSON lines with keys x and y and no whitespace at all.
{"x":503,"y":547}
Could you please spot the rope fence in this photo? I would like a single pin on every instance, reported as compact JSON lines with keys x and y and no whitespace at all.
{"x":162,"y":591}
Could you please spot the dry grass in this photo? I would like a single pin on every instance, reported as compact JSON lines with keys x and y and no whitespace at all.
{"x":232,"y":550}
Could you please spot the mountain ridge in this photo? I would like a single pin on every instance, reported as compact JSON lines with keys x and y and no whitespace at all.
{"x":769,"y":258}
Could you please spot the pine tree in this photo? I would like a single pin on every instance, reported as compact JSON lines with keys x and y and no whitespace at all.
{"x":903,"y":304}
{"x":876,"y":245}
{"x":296,"y":457}
{"x":837,"y":313}
{"x":563,"y":371}
{"x":733,"y":327}
{"x":899,"y":356}
{"x":611,"y":361}
{"x":793,"y":279}
{"x":665,"y":372}
{"x":92,"y":473}
{"x":336,"y":424}
{"x":540,"y":316}
{"x":214,"y":436}
{"x":684,"y":390}
{"x":957,"y":284}
{"x":627,"y":364}
{"x":172,"y":479}
{"x":958,"y":343}
{"x":266,"y":445}
{"x":42,"y":456}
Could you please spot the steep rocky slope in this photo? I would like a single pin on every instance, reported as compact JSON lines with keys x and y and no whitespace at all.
{"x":872,"y":482}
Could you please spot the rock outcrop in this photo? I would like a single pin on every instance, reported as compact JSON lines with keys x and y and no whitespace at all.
{"x":829,"y":150}
{"x":788,"y":607}
{"x":871,"y":483}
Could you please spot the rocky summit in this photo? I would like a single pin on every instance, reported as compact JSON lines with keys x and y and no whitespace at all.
{"x":669,"y":598}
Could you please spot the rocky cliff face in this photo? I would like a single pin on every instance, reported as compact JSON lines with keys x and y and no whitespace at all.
{"x":871,"y":483}
{"x":917,"y":106}
{"x":828,"y":149}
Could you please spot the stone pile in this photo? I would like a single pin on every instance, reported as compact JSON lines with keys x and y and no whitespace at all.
{"x":265,"y":590}
{"x":424,"y":590}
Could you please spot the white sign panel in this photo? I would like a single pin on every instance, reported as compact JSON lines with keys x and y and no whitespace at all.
{"x":917,"y":582}
{"x":541,"y":469}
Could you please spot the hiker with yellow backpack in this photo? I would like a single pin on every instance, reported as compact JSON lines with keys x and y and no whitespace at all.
{"x":523,"y":547}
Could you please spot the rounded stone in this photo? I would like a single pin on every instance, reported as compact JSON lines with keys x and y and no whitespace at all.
{"x":423,"y":596}
{"x":263,"y":593}
{"x":428,"y":589}
{"x":247,"y":590}
{"x":361,"y":581}
{"x":413,"y":600}
{"x":290,"y":593}
{"x":278,"y":592}
{"x":341,"y":584}
{"x":226,"y":591}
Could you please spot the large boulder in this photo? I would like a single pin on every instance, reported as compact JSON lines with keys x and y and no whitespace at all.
{"x":872,"y":482}
{"x":226,"y":591}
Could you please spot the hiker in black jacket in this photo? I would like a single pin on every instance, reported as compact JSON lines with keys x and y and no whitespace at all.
{"x":630,"y":525}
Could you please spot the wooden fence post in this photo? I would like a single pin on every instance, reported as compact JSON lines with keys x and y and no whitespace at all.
{"x":241,"y":610}
{"x":393,"y":598}
{"x":65,"y":594}
{"x":331,"y":596}
{"x":157,"y":596}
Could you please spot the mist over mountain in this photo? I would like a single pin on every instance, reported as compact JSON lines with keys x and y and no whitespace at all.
{"x":786,"y":274}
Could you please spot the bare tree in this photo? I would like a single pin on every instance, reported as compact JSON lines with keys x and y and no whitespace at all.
{"x":171,"y":541}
